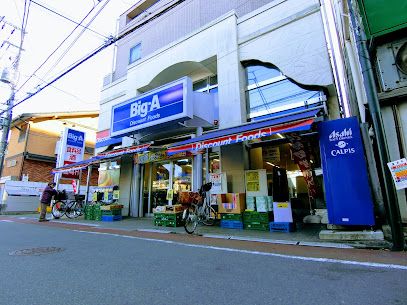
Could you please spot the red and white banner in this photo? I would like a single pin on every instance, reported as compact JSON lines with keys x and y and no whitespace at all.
{"x":242,"y":137}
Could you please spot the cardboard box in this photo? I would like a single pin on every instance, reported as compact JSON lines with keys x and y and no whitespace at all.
{"x":220,"y":198}
{"x":235,"y":203}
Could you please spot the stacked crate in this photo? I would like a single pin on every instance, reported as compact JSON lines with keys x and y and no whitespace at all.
{"x":256,"y":221}
{"x":231,"y":221}
{"x":168,"y":219}
{"x":93,"y":212}
{"x":111,"y":212}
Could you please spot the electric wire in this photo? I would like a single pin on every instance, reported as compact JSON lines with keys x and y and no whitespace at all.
{"x":75,"y":40}
{"x":69,"y":19}
{"x":55,"y":50}
{"x":111,"y":41}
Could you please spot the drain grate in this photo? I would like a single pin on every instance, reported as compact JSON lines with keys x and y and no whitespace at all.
{"x":36,"y":251}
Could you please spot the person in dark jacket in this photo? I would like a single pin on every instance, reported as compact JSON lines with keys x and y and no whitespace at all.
{"x":46,"y":198}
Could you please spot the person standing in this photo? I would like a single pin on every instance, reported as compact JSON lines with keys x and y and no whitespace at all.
{"x":46,"y":198}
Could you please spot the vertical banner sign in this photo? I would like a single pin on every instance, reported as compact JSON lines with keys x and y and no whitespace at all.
{"x":71,"y":150}
{"x":348,"y":195}
{"x":302,"y":159}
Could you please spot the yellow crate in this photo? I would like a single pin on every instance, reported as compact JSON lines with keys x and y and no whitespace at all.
{"x":111,"y":207}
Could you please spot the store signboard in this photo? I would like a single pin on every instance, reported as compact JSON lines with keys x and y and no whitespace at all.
{"x":71,"y":150}
{"x":398,"y":171}
{"x":271,"y":154}
{"x":156,"y":156}
{"x":103,"y":139}
{"x":348,"y":195}
{"x":243,"y":136}
{"x":172,"y":102}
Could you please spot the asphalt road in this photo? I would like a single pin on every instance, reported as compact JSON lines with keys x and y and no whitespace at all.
{"x":108,"y":268}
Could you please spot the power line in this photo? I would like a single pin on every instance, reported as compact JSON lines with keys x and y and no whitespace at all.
{"x":49,"y":56}
{"x":73,"y":21}
{"x":111,"y":40}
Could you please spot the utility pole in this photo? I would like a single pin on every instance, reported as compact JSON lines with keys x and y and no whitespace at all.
{"x":6,"y":117}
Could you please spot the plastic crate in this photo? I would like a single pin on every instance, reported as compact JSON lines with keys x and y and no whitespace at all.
{"x":112,"y":212}
{"x":256,"y":226}
{"x":263,"y":218}
{"x":111,"y":217}
{"x":168,"y":223}
{"x":231,"y":224}
{"x":282,"y":227}
{"x":237,"y":217}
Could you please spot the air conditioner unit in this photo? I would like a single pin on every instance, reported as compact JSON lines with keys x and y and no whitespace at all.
{"x":391,"y":65}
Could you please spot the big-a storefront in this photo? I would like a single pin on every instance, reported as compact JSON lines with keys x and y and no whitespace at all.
{"x":297,"y":156}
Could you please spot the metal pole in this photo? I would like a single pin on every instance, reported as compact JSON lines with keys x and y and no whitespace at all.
{"x":9,"y":111}
{"x":393,"y":213}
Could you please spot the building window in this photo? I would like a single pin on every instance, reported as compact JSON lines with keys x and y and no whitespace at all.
{"x":269,"y":91}
{"x":135,"y":53}
{"x":22,"y":134}
{"x":208,"y":84}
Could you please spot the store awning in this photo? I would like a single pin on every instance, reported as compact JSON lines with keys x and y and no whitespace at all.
{"x":109,"y":155}
{"x":300,"y":121}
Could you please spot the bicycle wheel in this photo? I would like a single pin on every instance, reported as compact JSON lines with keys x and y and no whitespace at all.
{"x":209,"y":216}
{"x":58,"y":209}
{"x":72,"y":210}
{"x":191,"y":219}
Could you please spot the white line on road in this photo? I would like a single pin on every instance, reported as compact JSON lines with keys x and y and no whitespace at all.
{"x":6,"y":220}
{"x":303,"y":258}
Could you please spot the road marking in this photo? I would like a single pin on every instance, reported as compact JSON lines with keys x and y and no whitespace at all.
{"x":6,"y":220}
{"x":303,"y":258}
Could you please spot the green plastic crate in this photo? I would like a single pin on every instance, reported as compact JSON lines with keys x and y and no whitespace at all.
{"x":263,"y":218}
{"x":237,"y":217}
{"x":256,"y":226}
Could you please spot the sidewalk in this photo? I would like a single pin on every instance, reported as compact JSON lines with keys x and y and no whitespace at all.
{"x":306,"y":235}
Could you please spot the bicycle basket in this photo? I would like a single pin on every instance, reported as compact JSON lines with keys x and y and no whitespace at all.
{"x":61,"y":196}
{"x":206,"y":187}
{"x":79,"y":197}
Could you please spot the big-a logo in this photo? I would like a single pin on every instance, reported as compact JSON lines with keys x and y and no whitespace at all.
{"x":75,"y":137}
{"x":141,"y":109}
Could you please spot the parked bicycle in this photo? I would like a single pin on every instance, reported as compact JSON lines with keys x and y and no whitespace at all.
{"x":199,"y":210}
{"x":70,"y":208}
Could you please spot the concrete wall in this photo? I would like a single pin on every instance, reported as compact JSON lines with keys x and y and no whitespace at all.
{"x":394,"y":153}
{"x":289,"y":35}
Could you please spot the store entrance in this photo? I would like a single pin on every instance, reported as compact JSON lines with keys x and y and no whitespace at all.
{"x":161,"y":177}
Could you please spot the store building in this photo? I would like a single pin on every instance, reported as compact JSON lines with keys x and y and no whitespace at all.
{"x":202,"y":87}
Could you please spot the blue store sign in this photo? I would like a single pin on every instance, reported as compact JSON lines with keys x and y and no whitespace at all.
{"x":348,"y":196}
{"x":172,"y":102}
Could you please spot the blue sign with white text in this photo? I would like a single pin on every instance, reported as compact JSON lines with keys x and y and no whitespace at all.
{"x":75,"y":138}
{"x":162,"y":105}
{"x":348,"y":195}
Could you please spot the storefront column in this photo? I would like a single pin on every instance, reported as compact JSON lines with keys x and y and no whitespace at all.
{"x":135,"y":191}
{"x":197,"y":169}
{"x":234,"y":162}
{"x":88,"y":182}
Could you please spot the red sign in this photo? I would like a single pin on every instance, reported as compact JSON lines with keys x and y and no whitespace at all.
{"x":242,"y":137}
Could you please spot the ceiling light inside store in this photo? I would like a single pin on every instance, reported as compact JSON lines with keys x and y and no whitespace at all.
{"x":269,"y":163}
{"x":281,"y":136}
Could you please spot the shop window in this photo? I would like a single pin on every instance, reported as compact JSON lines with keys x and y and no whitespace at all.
{"x":214,"y":165}
{"x":208,"y":84}
{"x":135,"y":53}
{"x":268,"y":91}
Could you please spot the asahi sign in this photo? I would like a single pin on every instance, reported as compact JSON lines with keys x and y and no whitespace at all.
{"x":71,"y":150}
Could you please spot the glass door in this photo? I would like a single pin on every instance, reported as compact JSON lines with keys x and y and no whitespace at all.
{"x":160,"y":183}
{"x":182,"y":177}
